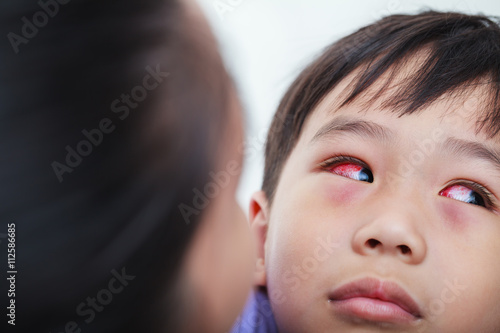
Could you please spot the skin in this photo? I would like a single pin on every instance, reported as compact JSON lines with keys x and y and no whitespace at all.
{"x":452,"y":268}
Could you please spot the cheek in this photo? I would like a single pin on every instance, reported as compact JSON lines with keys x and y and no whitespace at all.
{"x":307,"y":227}
{"x":465,"y":289}
{"x":291,"y":238}
{"x":342,"y":192}
{"x":452,"y":215}
{"x":302,"y":237}
{"x":469,"y":297}
{"x":457,"y":216}
{"x":312,"y":211}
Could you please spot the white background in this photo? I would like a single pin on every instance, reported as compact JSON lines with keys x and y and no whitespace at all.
{"x":266,"y":43}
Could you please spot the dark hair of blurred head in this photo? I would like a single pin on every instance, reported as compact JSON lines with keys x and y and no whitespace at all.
{"x":117,"y":209}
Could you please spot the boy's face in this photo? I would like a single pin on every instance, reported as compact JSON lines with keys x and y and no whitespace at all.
{"x":406,"y":208}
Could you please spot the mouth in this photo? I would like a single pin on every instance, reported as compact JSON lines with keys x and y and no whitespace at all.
{"x":376,"y":301}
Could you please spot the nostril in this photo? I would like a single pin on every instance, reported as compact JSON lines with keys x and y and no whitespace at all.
{"x":372,"y":243}
{"x":404,"y":249}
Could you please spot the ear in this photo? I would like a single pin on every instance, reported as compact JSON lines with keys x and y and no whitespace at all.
{"x":259,"y":219}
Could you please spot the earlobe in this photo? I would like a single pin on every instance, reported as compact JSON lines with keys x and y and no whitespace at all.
{"x":259,"y":218}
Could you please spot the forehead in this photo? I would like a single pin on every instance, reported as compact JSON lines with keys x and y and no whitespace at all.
{"x":458,"y":113}
{"x":448,"y":126}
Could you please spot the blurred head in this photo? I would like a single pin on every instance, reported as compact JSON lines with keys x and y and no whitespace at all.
{"x":379,"y":209}
{"x":119,"y":132}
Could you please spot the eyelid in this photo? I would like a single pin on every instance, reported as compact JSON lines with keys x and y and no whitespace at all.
{"x":339,"y":159}
{"x":482,"y":190}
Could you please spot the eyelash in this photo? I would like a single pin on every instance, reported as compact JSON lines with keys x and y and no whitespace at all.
{"x":339,"y":159}
{"x":485,"y":194}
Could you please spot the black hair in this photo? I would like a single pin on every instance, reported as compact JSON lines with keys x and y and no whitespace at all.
{"x":461,"y":51}
{"x":91,"y":178}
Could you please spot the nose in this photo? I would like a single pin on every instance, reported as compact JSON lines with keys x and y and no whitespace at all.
{"x":391,"y":233}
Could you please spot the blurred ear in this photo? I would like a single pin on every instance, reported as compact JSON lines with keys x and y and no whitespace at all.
{"x":259,"y":218}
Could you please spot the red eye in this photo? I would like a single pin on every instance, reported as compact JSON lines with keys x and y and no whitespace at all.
{"x":463,"y":193}
{"x":353,"y":171}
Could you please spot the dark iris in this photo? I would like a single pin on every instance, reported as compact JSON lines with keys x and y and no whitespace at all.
{"x":366,"y":175}
{"x":476,"y":199}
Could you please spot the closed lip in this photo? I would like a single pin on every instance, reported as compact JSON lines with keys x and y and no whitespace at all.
{"x":375,"y":300}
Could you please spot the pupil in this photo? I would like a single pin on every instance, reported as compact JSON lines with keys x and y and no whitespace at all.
{"x":366,"y":175}
{"x":476,"y":199}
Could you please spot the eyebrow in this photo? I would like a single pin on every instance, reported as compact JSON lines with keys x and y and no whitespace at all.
{"x":368,"y":129}
{"x":362,"y":128}
{"x":472,"y":149}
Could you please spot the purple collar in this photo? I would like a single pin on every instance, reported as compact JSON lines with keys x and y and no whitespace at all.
{"x":257,"y":316}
